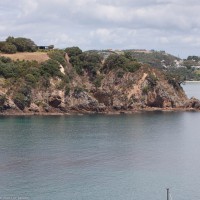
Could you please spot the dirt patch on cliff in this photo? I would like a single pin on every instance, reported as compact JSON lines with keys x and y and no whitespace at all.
{"x":38,"y":56}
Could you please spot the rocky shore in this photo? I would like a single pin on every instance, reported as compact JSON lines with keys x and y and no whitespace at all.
{"x":147,"y":89}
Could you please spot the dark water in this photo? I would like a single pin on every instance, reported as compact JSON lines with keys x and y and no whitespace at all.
{"x":100,"y":157}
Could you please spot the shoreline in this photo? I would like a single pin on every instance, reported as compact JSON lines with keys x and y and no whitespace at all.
{"x":192,"y":81}
{"x":122,"y":112}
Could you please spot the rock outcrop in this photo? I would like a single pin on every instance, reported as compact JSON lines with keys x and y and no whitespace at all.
{"x":145,"y":89}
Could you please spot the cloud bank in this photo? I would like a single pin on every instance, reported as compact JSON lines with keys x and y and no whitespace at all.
{"x":171,"y":25}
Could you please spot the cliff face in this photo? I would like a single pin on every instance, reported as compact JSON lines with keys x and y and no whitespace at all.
{"x":145,"y":89}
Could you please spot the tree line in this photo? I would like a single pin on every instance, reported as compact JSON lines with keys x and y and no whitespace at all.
{"x":12,"y":45}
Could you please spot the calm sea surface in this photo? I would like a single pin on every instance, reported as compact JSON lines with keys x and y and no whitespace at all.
{"x":99,"y":157}
{"x":192,"y":89}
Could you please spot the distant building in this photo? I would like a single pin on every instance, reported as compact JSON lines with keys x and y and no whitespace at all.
{"x":195,"y":67}
{"x":45,"y":47}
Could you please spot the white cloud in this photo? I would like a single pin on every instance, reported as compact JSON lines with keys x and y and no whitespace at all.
{"x":172,"y":25}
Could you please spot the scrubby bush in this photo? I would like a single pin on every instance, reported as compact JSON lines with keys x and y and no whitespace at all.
{"x":30,"y":79}
{"x":22,"y":97}
{"x":97,"y":81}
{"x":77,"y":64}
{"x":123,"y":62}
{"x":50,"y":68}
{"x":152,"y":79}
{"x":115,"y":61}
{"x":67,"y":90}
{"x":145,"y":90}
{"x":5,"y":59}
{"x":88,"y":62}
{"x":174,"y":79}
{"x":20,"y":100}
{"x":2,"y":44}
{"x":8,"y":70}
{"x":9,"y":48}
{"x":44,"y":81}
{"x":132,"y":66}
{"x":129,"y":55}
{"x":73,"y":51}
{"x":58,"y":55}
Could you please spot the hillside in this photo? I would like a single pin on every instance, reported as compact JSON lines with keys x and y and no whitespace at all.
{"x":30,"y":56}
{"x":72,"y":81}
{"x":158,"y":59}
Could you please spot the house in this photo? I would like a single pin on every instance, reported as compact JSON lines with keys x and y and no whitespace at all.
{"x":45,"y":47}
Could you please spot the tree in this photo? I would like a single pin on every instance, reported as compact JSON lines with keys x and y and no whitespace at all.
{"x":24,"y":45}
{"x":10,"y":39}
{"x":73,"y":51}
{"x":9,"y":48}
{"x":50,"y":68}
{"x":115,"y":62}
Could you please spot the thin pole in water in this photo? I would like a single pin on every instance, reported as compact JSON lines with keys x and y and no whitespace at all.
{"x":167,"y":193}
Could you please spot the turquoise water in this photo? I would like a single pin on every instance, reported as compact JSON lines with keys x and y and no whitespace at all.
{"x":101,"y":157}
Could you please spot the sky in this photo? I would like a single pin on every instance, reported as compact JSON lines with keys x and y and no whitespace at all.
{"x":170,"y":25}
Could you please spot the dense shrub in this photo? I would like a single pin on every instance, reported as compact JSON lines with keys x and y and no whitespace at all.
{"x":152,"y":79}
{"x":129,"y":55}
{"x":50,"y":68}
{"x":24,"y":45}
{"x":174,"y":79}
{"x":89,"y":62}
{"x":20,"y":100}
{"x":77,"y":64}
{"x":115,"y":61}
{"x":58,"y":55}
{"x":73,"y":51}
{"x":2,"y":44}
{"x":8,"y":70}
{"x":9,"y":48}
{"x":126,"y":63}
{"x":67,"y":90}
{"x":5,"y":59}
{"x":22,"y":97}
{"x":44,"y":81}
{"x":97,"y":81}
{"x":30,"y":79}
{"x":145,"y":90}
{"x":132,"y":66}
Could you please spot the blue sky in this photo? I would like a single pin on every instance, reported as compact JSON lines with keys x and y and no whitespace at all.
{"x":171,"y":25}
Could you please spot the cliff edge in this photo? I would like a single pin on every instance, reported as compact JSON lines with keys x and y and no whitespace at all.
{"x":106,"y":88}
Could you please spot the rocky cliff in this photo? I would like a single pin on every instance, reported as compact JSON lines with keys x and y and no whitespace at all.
{"x":114,"y":90}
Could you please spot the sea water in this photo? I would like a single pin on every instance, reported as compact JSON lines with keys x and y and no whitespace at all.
{"x":99,"y":157}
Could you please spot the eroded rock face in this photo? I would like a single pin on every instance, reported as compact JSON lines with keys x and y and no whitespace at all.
{"x":193,"y":103}
{"x":103,"y":97}
{"x":7,"y":104}
{"x":85,"y":102}
{"x":145,"y":88}
{"x":55,"y":101}
{"x":34,"y":108}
